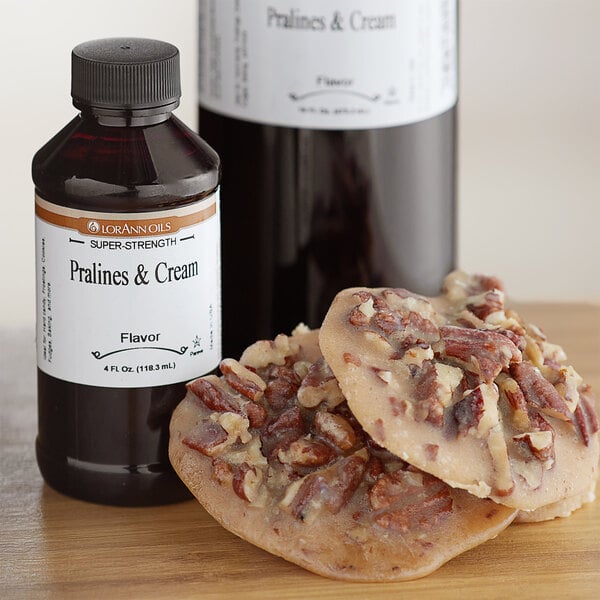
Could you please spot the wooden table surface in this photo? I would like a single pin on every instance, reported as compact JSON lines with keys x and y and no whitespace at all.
{"x":52,"y":546}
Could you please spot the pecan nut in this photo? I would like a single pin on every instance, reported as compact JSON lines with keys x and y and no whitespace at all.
{"x":335,"y":429}
{"x":403,"y":499}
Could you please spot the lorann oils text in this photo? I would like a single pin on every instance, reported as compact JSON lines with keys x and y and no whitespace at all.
{"x":128,"y":228}
{"x":162,"y":272}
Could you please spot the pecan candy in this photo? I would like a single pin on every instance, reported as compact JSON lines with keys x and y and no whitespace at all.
{"x":273,"y":452}
{"x":508,"y":418}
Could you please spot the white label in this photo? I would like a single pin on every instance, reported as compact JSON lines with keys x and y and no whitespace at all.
{"x":328,"y":64}
{"x":128,"y":300}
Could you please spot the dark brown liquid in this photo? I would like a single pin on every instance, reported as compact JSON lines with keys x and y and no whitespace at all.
{"x":306,"y":213}
{"x":109,"y":445}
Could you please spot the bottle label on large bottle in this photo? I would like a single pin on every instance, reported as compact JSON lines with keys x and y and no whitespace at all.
{"x":128,"y":299}
{"x":328,"y":64}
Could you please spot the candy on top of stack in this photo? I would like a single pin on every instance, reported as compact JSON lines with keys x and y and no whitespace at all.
{"x":465,"y":390}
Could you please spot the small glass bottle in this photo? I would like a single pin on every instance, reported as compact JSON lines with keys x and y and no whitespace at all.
{"x":128,"y":275}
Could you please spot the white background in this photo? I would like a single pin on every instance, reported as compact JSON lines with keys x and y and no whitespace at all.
{"x":529,"y":143}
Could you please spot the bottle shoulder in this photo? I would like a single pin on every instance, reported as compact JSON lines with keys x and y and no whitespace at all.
{"x":95,"y":167}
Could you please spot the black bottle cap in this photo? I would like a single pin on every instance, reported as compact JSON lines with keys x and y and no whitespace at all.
{"x":125,"y":74}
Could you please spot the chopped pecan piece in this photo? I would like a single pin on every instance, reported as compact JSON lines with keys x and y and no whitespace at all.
{"x":347,"y":475}
{"x":335,"y":429}
{"x":264,"y":352}
{"x":435,"y":385}
{"x":306,"y":452}
{"x":585,"y":415}
{"x":535,"y":332}
{"x":222,"y":470}
{"x":403,"y":318}
{"x":357,"y":317}
{"x":319,"y":385}
{"x":405,"y":302}
{"x":486,"y":304}
{"x":344,"y":411}
{"x":484,"y":351}
{"x":362,"y":314}
{"x":283,"y":383}
{"x":517,"y":339}
{"x":305,"y":494}
{"x":364,"y":296}
{"x":301,"y":368}
{"x":416,"y":355}
{"x":246,"y":482}
{"x":428,"y":407}
{"x":537,"y":422}
{"x":448,"y":379}
{"x":488,"y":282}
{"x":288,"y":421}
{"x":469,"y":382}
{"x":257,"y":415}
{"x":567,"y":385}
{"x":235,"y":425}
{"x":503,"y":480}
{"x":533,"y":351}
{"x":242,"y":380}
{"x":477,"y":412}
{"x":541,"y":445}
{"x":404,"y":499}
{"x":213,"y":396}
{"x":367,"y":308}
{"x":207,"y":438}
{"x":539,"y":392}
{"x":468,"y":320}
{"x":459,"y":285}
{"x":283,"y":429}
{"x":388,"y":321}
{"x":469,"y":411}
{"x":516,"y":400}
{"x":374,"y":469}
{"x":552,"y":352}
{"x":418,"y":330}
{"x":217,"y":399}
{"x":514,"y":322}
{"x":331,"y":488}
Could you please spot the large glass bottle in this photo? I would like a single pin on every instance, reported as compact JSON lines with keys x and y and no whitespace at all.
{"x":128,"y":285}
{"x":335,"y":122}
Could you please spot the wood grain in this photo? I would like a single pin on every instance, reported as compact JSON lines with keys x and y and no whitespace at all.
{"x":52,"y":546}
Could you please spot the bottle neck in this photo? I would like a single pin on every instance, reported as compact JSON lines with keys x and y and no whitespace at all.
{"x":143,"y":117}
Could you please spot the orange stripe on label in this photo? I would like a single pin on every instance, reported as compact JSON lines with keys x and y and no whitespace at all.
{"x":125,"y":227}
